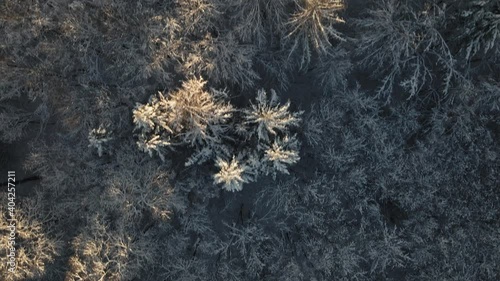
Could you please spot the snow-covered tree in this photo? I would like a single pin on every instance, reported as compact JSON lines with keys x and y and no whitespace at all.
{"x":192,"y":116}
{"x":403,"y":44}
{"x":231,"y":174}
{"x":216,"y":131}
{"x":481,"y":31}
{"x":311,"y":27}
{"x":268,"y":118}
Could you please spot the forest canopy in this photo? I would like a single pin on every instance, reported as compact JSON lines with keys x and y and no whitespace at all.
{"x":250,"y":140}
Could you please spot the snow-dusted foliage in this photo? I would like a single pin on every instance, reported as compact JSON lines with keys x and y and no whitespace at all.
{"x":333,"y":68}
{"x":231,"y":174}
{"x":404,"y":45}
{"x":103,"y":253}
{"x":98,"y":137}
{"x":267,"y":117}
{"x":481,"y":20}
{"x":400,"y":189}
{"x":35,"y":248}
{"x":282,"y":153}
{"x":311,"y":27}
{"x":189,"y":116}
{"x":259,"y":21}
{"x":223,"y":60}
{"x":205,"y":122}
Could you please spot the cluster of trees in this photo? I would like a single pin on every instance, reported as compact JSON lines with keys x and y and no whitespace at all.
{"x":383,"y":164}
{"x":244,"y":143}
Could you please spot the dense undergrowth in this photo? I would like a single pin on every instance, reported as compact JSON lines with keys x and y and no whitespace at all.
{"x":362,"y":140}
